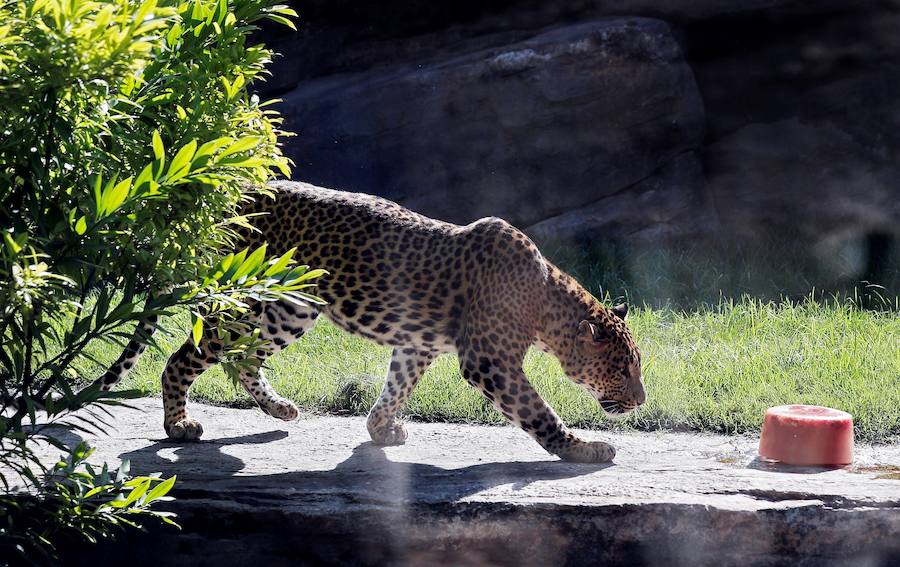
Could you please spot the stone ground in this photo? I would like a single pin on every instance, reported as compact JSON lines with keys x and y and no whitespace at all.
{"x":316,"y":491}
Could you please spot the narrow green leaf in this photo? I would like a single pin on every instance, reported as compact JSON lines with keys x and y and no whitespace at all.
{"x":81,"y":226}
{"x":236,"y":263}
{"x":95,"y":490}
{"x":221,"y":11}
{"x":226,"y":262}
{"x":210,"y":180}
{"x":312,"y":274}
{"x":236,"y":85}
{"x":11,"y":244}
{"x":281,"y":263}
{"x":251,"y":263}
{"x":143,"y":178}
{"x":227,"y":84}
{"x":136,"y":493}
{"x":142,"y":12}
{"x":114,"y":198}
{"x":102,"y":306}
{"x":197,"y":329}
{"x":241,"y":161}
{"x":174,"y":34}
{"x":158,"y":151}
{"x":241,"y":145}
{"x":282,"y":20}
{"x":283,"y":167}
{"x":212,"y":146}
{"x":98,"y":194}
{"x":182,"y":160}
{"x":160,"y":489}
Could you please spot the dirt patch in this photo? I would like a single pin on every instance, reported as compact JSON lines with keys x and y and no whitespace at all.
{"x":882,"y":472}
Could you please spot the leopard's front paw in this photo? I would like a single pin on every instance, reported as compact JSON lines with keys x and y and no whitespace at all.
{"x":588,"y":452}
{"x":283,"y":409}
{"x":186,"y":429}
{"x":391,"y":434}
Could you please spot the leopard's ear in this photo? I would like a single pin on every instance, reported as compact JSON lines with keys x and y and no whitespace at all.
{"x":586,"y":331}
{"x":590,"y":333}
{"x":621,"y":311}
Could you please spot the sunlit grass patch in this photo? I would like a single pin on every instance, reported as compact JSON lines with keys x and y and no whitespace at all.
{"x":713,"y":369}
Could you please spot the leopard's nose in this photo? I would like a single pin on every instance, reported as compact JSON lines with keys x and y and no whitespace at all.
{"x":638,"y":394}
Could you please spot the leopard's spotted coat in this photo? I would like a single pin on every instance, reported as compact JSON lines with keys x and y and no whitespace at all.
{"x":425,"y":287}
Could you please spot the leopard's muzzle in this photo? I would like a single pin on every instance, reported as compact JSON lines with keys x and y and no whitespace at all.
{"x":615,"y":409}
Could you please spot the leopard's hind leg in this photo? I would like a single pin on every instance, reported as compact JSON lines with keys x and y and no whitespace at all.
{"x":280,"y":323}
{"x":183,"y":367}
{"x":406,"y":368}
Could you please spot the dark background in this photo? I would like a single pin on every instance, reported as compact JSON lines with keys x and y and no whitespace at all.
{"x":667,"y":151}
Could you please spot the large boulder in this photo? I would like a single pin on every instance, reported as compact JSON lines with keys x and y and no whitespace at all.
{"x":340,"y":36}
{"x":812,"y":179}
{"x":668,"y":204}
{"x":803,"y":123}
{"x":525,"y":131}
{"x":581,"y":128}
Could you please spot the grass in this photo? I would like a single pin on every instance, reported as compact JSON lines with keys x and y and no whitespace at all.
{"x":711,"y":369}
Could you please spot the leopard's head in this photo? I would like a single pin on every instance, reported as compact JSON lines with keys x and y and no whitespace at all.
{"x":606,"y":361}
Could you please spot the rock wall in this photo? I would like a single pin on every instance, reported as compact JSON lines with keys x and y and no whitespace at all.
{"x":629,"y":118}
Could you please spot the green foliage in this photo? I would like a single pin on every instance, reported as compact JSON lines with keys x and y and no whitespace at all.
{"x":128,"y":142}
{"x":130,"y":122}
{"x":78,"y":503}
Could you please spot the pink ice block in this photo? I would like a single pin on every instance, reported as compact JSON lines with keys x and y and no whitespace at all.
{"x":807,"y":435}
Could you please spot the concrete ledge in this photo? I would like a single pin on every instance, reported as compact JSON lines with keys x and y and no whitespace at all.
{"x":316,"y":491}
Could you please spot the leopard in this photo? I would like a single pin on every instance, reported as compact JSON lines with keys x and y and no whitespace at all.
{"x":423,"y":287}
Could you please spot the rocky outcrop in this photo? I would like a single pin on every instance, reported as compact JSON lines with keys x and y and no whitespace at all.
{"x":803,"y":121}
{"x":353,"y":35}
{"x":632,"y":120}
{"x":819,"y":180}
{"x":668,"y":203}
{"x":528,"y":131}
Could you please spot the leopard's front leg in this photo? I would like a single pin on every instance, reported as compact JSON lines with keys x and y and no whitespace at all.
{"x":499,"y":376}
{"x":182,"y":369}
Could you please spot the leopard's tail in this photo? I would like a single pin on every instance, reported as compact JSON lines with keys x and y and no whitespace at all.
{"x":133,"y":350}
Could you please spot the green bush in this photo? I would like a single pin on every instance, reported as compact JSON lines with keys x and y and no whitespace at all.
{"x":128,"y":142}
{"x":77,"y":504}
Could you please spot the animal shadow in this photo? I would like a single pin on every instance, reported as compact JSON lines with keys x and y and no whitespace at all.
{"x":366,"y":474}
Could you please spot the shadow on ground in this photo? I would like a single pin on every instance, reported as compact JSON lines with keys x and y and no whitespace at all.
{"x":312,"y":492}
{"x":367,"y":474}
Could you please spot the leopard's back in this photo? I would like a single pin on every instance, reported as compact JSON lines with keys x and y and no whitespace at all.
{"x":395,"y":276}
